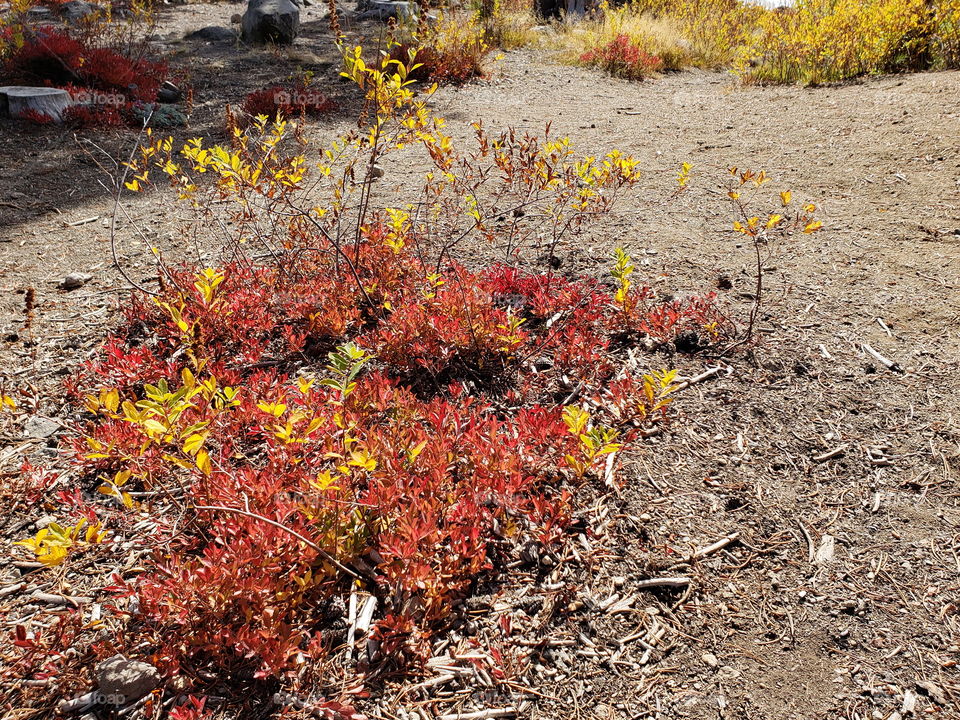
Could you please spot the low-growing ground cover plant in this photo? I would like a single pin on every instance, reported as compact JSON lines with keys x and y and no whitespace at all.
{"x":623,"y":58}
{"x":289,"y":100}
{"x":334,"y":403}
{"x":100,"y":60}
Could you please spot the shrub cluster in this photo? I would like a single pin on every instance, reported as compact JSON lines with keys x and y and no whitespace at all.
{"x":108,"y":85}
{"x":430,"y":447}
{"x":290,"y":100}
{"x":623,"y":58}
{"x":356,"y":412}
{"x":449,"y":50}
{"x":813,"y":41}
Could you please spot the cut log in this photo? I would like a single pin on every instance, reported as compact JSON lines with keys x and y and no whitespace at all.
{"x":16,"y":100}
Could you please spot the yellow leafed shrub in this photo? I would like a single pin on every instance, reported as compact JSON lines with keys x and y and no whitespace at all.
{"x":832,"y":40}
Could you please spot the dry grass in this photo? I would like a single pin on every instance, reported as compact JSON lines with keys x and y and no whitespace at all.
{"x":511,"y":25}
{"x":656,"y":36}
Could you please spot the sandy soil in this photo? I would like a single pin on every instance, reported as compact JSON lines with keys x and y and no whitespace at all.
{"x":766,"y":629}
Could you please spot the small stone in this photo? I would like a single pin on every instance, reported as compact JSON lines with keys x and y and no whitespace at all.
{"x":123,"y":681}
{"x":386,"y":9}
{"x":619,"y":581}
{"x":169,"y":93}
{"x":75,"y":280}
{"x":603,"y":711}
{"x":214,"y":33}
{"x":826,"y":550}
{"x":236,"y":19}
{"x":909,"y":703}
{"x":710,"y":659}
{"x":44,"y":521}
{"x":76,"y":10}
{"x":728,"y":673}
{"x":39,"y":427}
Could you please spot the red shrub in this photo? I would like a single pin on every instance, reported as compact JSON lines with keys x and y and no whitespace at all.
{"x":454,"y":67}
{"x":288,"y":101}
{"x":54,"y":58}
{"x":422,"y":454}
{"x":624,"y":58}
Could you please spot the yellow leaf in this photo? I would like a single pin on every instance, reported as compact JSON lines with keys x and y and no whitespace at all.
{"x":275,"y":409}
{"x":785,"y":197}
{"x":110,"y":399}
{"x":193,"y":443}
{"x":154,"y":426}
{"x":812,"y":227}
{"x":203,"y":462}
{"x":52,"y":555}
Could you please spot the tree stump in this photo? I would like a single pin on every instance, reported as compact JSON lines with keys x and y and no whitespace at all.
{"x":17,"y":101}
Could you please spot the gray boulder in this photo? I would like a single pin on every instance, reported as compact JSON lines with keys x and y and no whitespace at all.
{"x":123,"y":681}
{"x":75,"y":10}
{"x":386,"y":9}
{"x":271,"y":21}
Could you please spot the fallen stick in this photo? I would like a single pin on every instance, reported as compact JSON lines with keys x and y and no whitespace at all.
{"x":85,"y":221}
{"x":309,"y":543}
{"x":889,"y":364}
{"x":674,"y":582}
{"x":481,"y":714}
{"x":811,"y":553}
{"x":60,"y":599}
{"x":718,"y":545}
{"x":839,"y":450}
{"x":10,"y":589}
{"x":433,"y":682}
{"x":78,"y":704}
{"x":706,"y":374}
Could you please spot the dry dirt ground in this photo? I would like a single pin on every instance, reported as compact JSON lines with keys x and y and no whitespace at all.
{"x":840,"y":597}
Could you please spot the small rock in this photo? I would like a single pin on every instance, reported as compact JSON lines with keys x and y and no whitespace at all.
{"x":236,"y":19}
{"x":728,"y":673}
{"x":710,"y":659}
{"x":214,"y":33}
{"x":909,"y":703}
{"x":385,"y":9}
{"x":169,"y":93}
{"x":123,"y":681}
{"x":159,"y":115}
{"x":39,"y":427}
{"x":75,"y":280}
{"x":826,"y":550}
{"x":76,"y":10}
{"x":602,"y":711}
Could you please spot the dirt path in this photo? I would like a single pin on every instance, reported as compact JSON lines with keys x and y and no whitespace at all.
{"x":765,"y":631}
